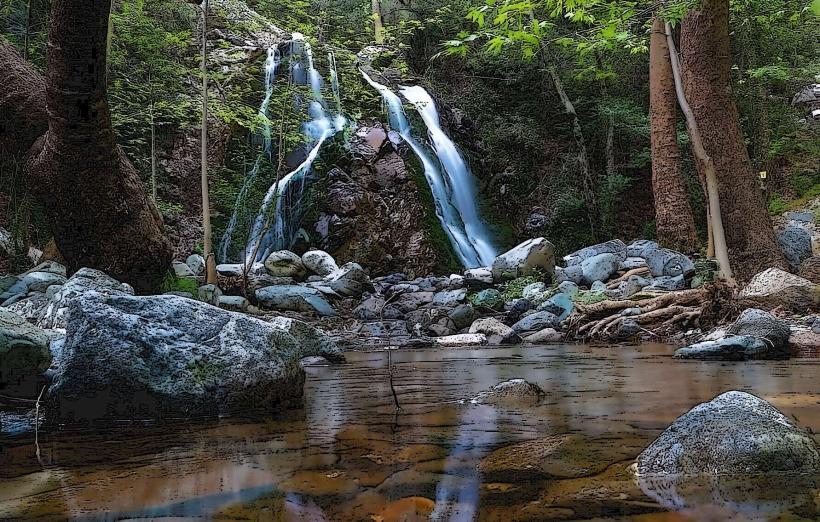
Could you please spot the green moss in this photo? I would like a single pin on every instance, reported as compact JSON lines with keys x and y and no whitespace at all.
{"x":515,"y":288}
{"x":172,"y":283}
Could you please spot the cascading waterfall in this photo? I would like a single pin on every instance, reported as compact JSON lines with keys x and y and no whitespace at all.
{"x":271,"y":66}
{"x":287,"y":193}
{"x":449,"y":177}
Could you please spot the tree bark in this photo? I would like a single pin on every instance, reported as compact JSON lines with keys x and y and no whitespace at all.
{"x":706,"y":63}
{"x":92,"y":196}
{"x":207,"y":241}
{"x":378,"y":24}
{"x":673,"y":213}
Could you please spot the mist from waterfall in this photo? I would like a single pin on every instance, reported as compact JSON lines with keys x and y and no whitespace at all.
{"x":447,"y":174}
{"x":276,"y":231}
{"x":271,"y":66}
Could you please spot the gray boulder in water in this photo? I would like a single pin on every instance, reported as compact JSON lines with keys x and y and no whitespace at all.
{"x":294,"y":297}
{"x":734,"y":434}
{"x":513,"y":391}
{"x":131,"y":357}
{"x":732,"y":348}
{"x":758,"y":323}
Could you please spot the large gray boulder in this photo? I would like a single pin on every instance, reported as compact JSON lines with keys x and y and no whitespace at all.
{"x":775,"y":287}
{"x":761,"y":324}
{"x":661,"y":261}
{"x":536,"y":321}
{"x":129,"y":357}
{"x":349,"y":280}
{"x":734,"y":434}
{"x":294,"y":297}
{"x":319,"y":262}
{"x":795,"y":242}
{"x":525,"y":259}
{"x":23,"y":348}
{"x":599,"y":268}
{"x":615,"y":246}
{"x":732,"y":348}
{"x":496,"y":331}
{"x":84,"y":281}
{"x":285,"y":263}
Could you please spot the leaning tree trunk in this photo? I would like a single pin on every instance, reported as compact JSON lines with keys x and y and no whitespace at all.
{"x":673,"y":213}
{"x":92,"y":196}
{"x":706,"y":63}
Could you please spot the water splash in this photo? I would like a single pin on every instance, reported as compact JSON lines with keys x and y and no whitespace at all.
{"x":271,"y":66}
{"x":465,"y":230}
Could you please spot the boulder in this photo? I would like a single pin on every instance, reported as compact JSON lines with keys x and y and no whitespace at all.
{"x":478,"y":277}
{"x":795,"y":243}
{"x":734,"y":434}
{"x":559,"y":304}
{"x":631,"y":263}
{"x":319,"y":262}
{"x":182,"y":270}
{"x":210,"y":294}
{"x":757,"y":323}
{"x":514,"y":391}
{"x":129,"y":357}
{"x":573,"y":274}
{"x":374,"y":307}
{"x":496,"y":331}
{"x":732,"y":348}
{"x":311,"y":340}
{"x":23,"y":348}
{"x":666,"y":284}
{"x":775,"y":287}
{"x":547,"y":335}
{"x":810,"y":269}
{"x":461,"y":340}
{"x":517,"y":308}
{"x":450,"y":298}
{"x":32,"y":307}
{"x":285,"y":263}
{"x":235,"y":303}
{"x":349,"y":280}
{"x":462,"y":315}
{"x":429,"y":321}
{"x":805,"y":342}
{"x":661,"y":261}
{"x":196,"y":263}
{"x":615,"y":247}
{"x":536,"y":321}
{"x":40,"y":281}
{"x":413,"y":301}
{"x":533,"y":290}
{"x":295,"y":298}
{"x":599,"y":268}
{"x":569,"y":288}
{"x":489,"y":298}
{"x":632,"y":286}
{"x":84,"y":281}
{"x":525,"y":259}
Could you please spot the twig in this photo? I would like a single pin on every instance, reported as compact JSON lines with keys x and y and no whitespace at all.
{"x":37,"y":426}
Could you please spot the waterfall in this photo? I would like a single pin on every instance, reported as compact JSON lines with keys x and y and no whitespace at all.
{"x":271,"y":65}
{"x":463,"y":227}
{"x":286,"y":194}
{"x":460,"y":184}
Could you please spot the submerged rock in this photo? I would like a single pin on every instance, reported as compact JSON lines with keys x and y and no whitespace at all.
{"x":525,"y":259}
{"x":129,"y":357}
{"x":734,"y":434}
{"x":732,"y":348}
{"x":514,"y":391}
{"x":23,"y":348}
{"x":295,"y":298}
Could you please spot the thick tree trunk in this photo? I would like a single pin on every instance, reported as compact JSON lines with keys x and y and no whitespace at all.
{"x":706,"y":63}
{"x":92,"y":196}
{"x":207,"y":241}
{"x":673,"y":213}
{"x":378,"y":24}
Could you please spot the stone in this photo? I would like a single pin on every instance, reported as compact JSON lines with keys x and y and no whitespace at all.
{"x":599,"y":268}
{"x":513,"y":391}
{"x":49,"y":266}
{"x":426,"y":321}
{"x":235,"y":303}
{"x":32,"y":307}
{"x":533,"y":289}
{"x":615,"y":247}
{"x":455,"y":281}
{"x":666,"y":284}
{"x":805,"y":342}
{"x":295,"y":298}
{"x":413,"y":301}
{"x":24,"y":349}
{"x":661,"y":261}
{"x":312,"y":340}
{"x":450,"y":298}
{"x":735,"y":433}
{"x":374,"y":307}
{"x":182,"y":270}
{"x":210,"y":294}
{"x":129,"y":357}
{"x":631,"y":263}
{"x":285,"y":263}
{"x":197,"y":264}
{"x":633,"y":285}
{"x":84,"y":281}
{"x":349,"y":280}
{"x":775,"y":287}
{"x":478,"y":277}
{"x":731,"y":348}
{"x":559,"y":304}
{"x":810,"y":269}
{"x":802,"y":217}
{"x":230,"y":269}
{"x":461,"y":340}
{"x":758,"y":323}
{"x":528,"y":258}
{"x":547,"y":335}
{"x":462,"y":315}
{"x":573,"y":274}
{"x":569,"y":288}
{"x":319,"y":262}
{"x":40,"y":281}
{"x":490,"y":299}
{"x":388,"y":328}
{"x":536,"y":321}
{"x":496,"y":331}
{"x":598,"y":287}
{"x":795,"y":243}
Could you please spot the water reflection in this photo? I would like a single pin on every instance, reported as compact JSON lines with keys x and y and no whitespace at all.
{"x":349,"y":456}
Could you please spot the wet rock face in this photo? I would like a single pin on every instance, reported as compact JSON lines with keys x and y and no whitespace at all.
{"x":735,"y":433}
{"x":23,"y":348}
{"x":144,"y":357}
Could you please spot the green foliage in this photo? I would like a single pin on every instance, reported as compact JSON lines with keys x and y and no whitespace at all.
{"x":172,"y":283}
{"x":588,"y":298}
{"x":611,"y":194}
{"x":515,"y":288}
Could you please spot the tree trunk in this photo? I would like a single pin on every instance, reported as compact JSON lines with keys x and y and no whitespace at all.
{"x":705,"y":68}
{"x":92,"y":196}
{"x":673,"y":213}
{"x":717,"y":234}
{"x":207,"y":240}
{"x":378,"y":24}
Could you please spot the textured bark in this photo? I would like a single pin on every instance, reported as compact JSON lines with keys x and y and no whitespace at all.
{"x":706,"y":63}
{"x":673,"y":213}
{"x":23,"y":116}
{"x":92,"y":196}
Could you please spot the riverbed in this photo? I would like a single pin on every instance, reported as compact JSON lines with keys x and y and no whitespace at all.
{"x":357,"y":451}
